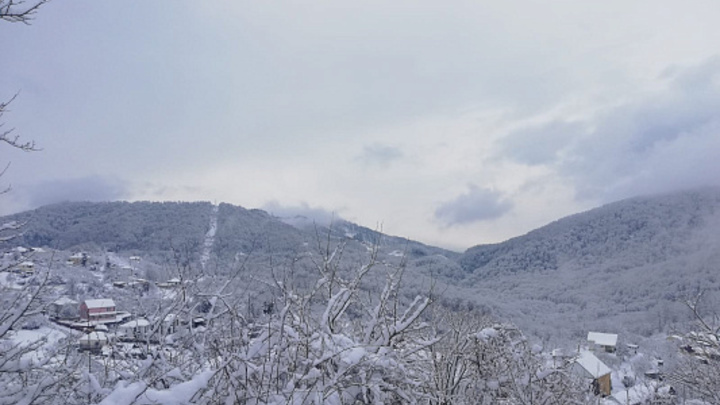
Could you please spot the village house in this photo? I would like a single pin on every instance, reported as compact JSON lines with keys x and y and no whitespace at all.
{"x":64,"y":308}
{"x":170,"y":324}
{"x":172,"y":283}
{"x":560,"y":356}
{"x":77,"y":259}
{"x":99,"y":310}
{"x":140,"y":284}
{"x":589,"y":366}
{"x":138,"y":329}
{"x":603,"y":341}
{"x":93,"y":341}
{"x":26,"y":268}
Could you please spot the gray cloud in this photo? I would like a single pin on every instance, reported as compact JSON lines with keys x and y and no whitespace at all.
{"x":302,"y":214}
{"x":478,"y":204}
{"x":380,"y":155}
{"x":658,"y":143}
{"x":540,"y":145}
{"x":91,"y":188}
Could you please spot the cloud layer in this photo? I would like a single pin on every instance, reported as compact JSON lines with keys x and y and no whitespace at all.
{"x":383,"y":111}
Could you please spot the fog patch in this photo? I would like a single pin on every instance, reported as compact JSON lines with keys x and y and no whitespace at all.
{"x":90,"y":188}
{"x":301,"y":215}
{"x":478,"y":204}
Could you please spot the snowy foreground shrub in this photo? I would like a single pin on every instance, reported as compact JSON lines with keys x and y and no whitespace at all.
{"x":698,"y":370}
{"x":334,"y":342}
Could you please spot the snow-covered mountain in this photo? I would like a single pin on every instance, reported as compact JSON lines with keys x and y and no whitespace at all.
{"x":155,"y":227}
{"x":623,"y":267}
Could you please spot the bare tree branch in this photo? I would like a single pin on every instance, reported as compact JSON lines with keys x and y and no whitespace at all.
{"x":21,"y":11}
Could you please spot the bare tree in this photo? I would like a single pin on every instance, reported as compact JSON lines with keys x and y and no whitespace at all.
{"x":481,"y":361}
{"x":698,"y":371}
{"x":14,"y":11}
{"x":31,"y":371}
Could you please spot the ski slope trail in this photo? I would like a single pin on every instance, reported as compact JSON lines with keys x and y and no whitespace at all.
{"x":209,"y":237}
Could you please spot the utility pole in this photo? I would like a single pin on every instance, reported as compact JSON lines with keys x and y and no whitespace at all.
{"x":89,"y":378}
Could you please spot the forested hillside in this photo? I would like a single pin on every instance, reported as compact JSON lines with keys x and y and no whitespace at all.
{"x":115,"y":226}
{"x":638,"y":231}
{"x":625,"y":266}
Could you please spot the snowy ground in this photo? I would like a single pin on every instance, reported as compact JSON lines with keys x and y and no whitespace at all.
{"x":26,"y":337}
{"x":47,"y":337}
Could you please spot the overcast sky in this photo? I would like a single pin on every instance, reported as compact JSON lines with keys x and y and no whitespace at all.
{"x":452,"y":123}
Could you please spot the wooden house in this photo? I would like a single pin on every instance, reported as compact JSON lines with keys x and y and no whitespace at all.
{"x":589,"y":366}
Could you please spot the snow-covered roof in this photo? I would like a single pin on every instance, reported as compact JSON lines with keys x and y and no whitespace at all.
{"x":64,"y":301}
{"x":174,"y":280}
{"x":100,"y":303}
{"x":603,"y":339}
{"x":94,"y":336}
{"x":592,"y":364}
{"x":636,"y":394}
{"x":27,"y":264}
{"x":136,"y":323}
